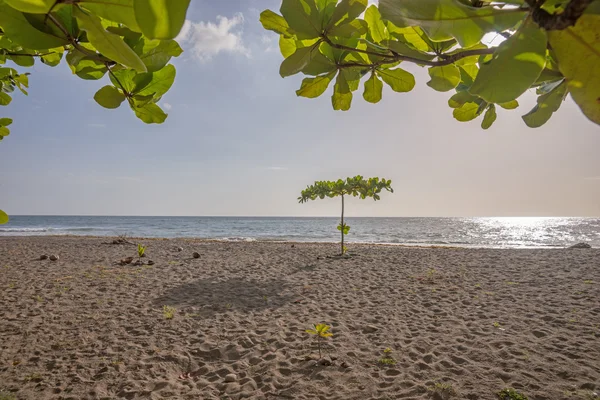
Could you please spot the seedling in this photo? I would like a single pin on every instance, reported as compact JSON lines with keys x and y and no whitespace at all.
{"x":431,"y":275}
{"x":497,"y":324}
{"x":38,"y":298}
{"x":141,"y":250}
{"x":387,"y":358}
{"x":321,"y":330}
{"x":35,"y":377}
{"x":588,"y":282}
{"x":169,"y":312}
{"x":444,"y":391}
{"x":511,"y":394}
{"x":512,"y":283}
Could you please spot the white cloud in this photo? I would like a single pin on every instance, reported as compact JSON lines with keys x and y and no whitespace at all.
{"x":207,"y":39}
{"x":167,"y":106}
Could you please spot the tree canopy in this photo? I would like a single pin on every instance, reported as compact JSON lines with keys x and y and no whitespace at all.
{"x":551,"y":46}
{"x":130,"y":40}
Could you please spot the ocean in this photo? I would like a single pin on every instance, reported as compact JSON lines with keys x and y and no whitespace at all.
{"x":527,"y":232}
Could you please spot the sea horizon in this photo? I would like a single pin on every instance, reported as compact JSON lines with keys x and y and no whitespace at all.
{"x":486,"y":232}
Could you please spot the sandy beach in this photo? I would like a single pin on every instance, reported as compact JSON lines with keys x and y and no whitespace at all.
{"x":474,"y":321}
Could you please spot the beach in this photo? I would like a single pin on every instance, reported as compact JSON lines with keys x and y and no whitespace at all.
{"x":407,"y":322}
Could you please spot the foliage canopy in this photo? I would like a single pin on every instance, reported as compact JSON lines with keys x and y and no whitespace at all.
{"x":131,"y":41}
{"x":551,"y":46}
{"x":357,"y":186}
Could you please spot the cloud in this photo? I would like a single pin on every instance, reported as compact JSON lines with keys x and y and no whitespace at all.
{"x":167,"y":106}
{"x":207,"y":39}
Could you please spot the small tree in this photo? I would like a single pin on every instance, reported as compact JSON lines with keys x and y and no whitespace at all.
{"x":356,"y":186}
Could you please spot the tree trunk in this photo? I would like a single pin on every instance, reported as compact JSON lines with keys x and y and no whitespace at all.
{"x":342,"y":224}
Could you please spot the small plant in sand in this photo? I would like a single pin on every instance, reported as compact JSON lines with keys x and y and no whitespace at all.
{"x":35,"y":377}
{"x":357,"y":186}
{"x":443,"y":391}
{"x":497,"y":324}
{"x":169,"y":312}
{"x":387,"y":358}
{"x":322,"y":332}
{"x":511,"y":394}
{"x":431,"y":274}
{"x":141,"y":250}
{"x":588,"y":282}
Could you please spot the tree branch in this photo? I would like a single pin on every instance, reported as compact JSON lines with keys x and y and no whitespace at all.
{"x":9,"y":53}
{"x":395,"y":57}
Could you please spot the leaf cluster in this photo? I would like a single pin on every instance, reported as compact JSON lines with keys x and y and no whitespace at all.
{"x":321,"y":330}
{"x":344,"y":41}
{"x":356,"y":186}
{"x":130,"y":40}
{"x":141,"y":250}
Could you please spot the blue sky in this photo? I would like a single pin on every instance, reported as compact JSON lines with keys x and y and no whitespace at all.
{"x":239,"y":142}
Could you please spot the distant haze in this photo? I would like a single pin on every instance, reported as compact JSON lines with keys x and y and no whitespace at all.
{"x":239,"y":142}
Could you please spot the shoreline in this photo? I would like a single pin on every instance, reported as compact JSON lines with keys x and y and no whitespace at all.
{"x":332,"y":242}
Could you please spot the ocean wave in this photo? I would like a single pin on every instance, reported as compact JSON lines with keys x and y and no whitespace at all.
{"x":53,"y":229}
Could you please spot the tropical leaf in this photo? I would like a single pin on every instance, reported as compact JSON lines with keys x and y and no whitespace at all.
{"x":160,"y":19}
{"x":514,"y":67}
{"x":547,"y":104}
{"x":577,"y":50}
{"x":447,"y":19}
{"x":109,"y":97}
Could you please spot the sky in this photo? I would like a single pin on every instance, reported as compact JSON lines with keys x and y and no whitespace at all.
{"x":239,"y":142}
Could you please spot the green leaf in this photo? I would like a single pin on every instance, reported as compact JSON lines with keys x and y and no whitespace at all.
{"x":467,"y":112}
{"x":347,"y":10}
{"x":489,"y":117}
{"x":31,"y":6}
{"x":412,"y":35}
{"x":302,"y":17}
{"x":297,"y":61}
{"x":90,"y":69}
{"x":3,"y":218}
{"x":150,"y":114}
{"x":23,"y":61}
{"x":577,"y":50}
{"x":125,"y":79}
{"x":444,"y":78}
{"x":155,"y":54}
{"x":5,"y":121}
{"x":4,"y":131}
{"x":276,"y":23}
{"x":5,"y":99}
{"x":398,"y":79}
{"x":402,"y":48}
{"x":446,"y":19}
{"x":109,"y":44}
{"x":511,"y":105}
{"x":52,"y":59}
{"x":319,"y":64}
{"x":514,"y":67}
{"x":314,"y":87}
{"x":373,"y":89}
{"x":109,"y":97}
{"x":19,"y":30}
{"x":342,"y":95}
{"x":354,"y":28}
{"x":120,"y":11}
{"x":158,"y":84}
{"x":160,"y":19}
{"x":546,"y":105}
{"x":377,"y":28}
{"x":287,"y":46}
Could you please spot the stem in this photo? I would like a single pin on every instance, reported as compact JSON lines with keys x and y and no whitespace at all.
{"x":342,"y":224}
{"x":319,"y":345}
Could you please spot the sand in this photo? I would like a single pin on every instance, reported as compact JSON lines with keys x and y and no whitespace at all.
{"x":478,"y":320}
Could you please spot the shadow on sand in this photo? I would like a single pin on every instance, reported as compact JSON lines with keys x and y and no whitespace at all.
{"x":211,"y":296}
